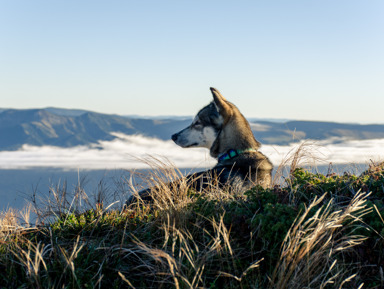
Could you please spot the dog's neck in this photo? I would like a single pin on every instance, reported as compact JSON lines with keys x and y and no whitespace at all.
{"x":237,"y":138}
{"x":235,"y":132}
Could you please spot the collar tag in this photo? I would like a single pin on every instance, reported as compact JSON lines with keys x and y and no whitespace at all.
{"x":231,"y":153}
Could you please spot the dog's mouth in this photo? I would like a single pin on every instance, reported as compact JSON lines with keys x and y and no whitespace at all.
{"x":184,"y":143}
{"x":180,"y":143}
{"x":191,"y":145}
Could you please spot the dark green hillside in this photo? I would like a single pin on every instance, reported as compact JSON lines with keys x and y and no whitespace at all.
{"x":314,"y":231}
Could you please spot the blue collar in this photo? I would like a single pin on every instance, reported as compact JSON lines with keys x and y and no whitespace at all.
{"x":231,"y":153}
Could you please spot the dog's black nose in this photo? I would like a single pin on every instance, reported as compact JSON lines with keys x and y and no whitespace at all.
{"x":174,"y":137}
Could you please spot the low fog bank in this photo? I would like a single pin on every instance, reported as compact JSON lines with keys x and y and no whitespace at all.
{"x":127,"y":151}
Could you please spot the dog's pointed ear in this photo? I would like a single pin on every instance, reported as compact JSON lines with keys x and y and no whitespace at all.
{"x":221,"y":103}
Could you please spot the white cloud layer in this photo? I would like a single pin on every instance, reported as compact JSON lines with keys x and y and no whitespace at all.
{"x":125,"y":151}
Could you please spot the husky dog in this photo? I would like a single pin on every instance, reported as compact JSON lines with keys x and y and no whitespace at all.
{"x":222,"y":129}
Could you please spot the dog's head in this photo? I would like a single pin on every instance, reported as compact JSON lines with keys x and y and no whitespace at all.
{"x":219,"y":126}
{"x":206,"y":125}
{"x":203,"y":130}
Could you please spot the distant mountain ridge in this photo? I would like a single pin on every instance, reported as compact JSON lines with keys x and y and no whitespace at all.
{"x":67,"y":128}
{"x":72,"y":127}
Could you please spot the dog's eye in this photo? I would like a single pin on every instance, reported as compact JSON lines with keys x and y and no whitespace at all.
{"x":197,"y":123}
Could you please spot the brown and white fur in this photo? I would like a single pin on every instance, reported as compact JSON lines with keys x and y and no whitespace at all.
{"x":221,"y":128}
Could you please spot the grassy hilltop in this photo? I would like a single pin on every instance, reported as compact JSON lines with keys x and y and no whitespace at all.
{"x":311,"y":231}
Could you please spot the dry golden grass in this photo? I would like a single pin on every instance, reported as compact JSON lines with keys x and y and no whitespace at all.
{"x":308,"y":254}
{"x":305,"y":154}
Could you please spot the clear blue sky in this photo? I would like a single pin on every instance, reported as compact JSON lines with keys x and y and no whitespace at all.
{"x":298,"y":59}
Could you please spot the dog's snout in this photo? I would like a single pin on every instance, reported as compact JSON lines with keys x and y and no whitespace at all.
{"x":174,"y":137}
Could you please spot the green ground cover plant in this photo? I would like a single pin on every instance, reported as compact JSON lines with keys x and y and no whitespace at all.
{"x":310,"y":230}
